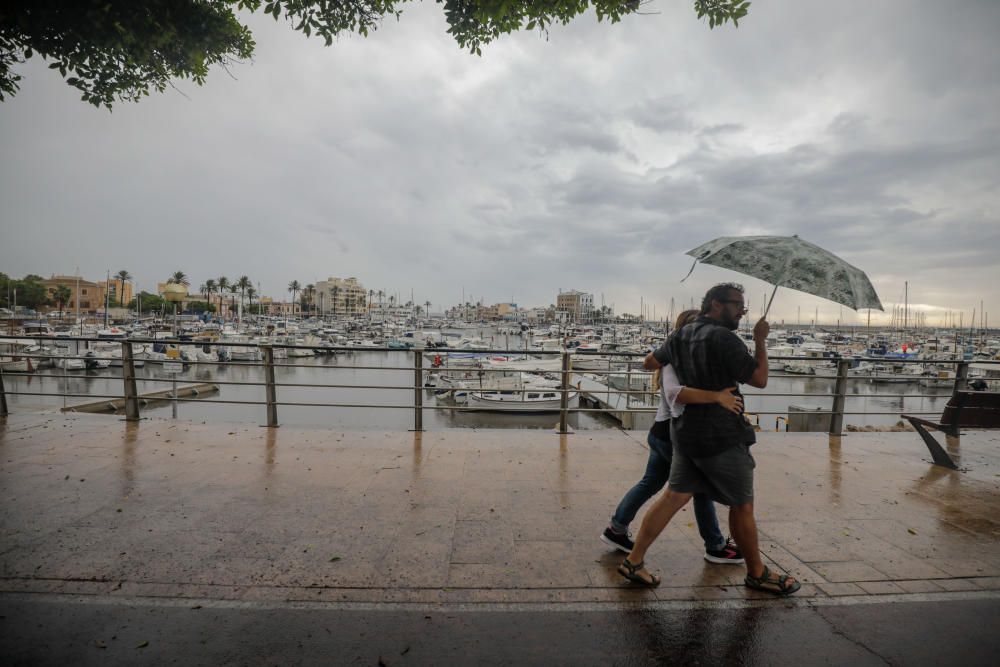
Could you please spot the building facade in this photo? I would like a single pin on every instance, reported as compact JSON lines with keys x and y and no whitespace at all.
{"x":88,"y":295}
{"x":112,"y":287}
{"x":340,"y":296}
{"x":579,"y":305}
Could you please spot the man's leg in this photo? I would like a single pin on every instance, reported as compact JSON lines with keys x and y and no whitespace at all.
{"x":659,"y":515}
{"x":744,"y":529}
{"x":684,"y":480}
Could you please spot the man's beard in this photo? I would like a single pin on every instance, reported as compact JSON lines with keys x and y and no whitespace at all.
{"x":731,"y":324}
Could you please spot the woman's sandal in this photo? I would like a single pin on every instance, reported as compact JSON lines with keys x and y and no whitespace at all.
{"x":631,"y":572}
{"x":767,"y":583}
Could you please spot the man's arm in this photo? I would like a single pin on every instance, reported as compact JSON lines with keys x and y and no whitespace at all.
{"x":675,"y":392}
{"x":650,"y":363}
{"x":759,"y":377}
{"x":657,"y":359}
{"x":727,"y":398}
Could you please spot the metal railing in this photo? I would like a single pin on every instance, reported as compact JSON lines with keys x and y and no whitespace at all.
{"x":132,"y":401}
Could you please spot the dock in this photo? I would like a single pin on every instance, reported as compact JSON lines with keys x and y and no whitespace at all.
{"x":116,"y":404}
{"x":614,"y":403}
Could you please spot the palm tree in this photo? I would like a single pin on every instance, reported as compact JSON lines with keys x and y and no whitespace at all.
{"x":310,"y":295}
{"x":294,"y":287}
{"x":251,"y":293}
{"x":180,"y":278}
{"x":209,"y":289}
{"x":221,"y":287}
{"x":336,"y":291}
{"x":61,"y":296}
{"x":427,"y":308}
{"x":234,"y":289}
{"x":381,"y":294}
{"x":371,"y":296}
{"x":242,"y":284}
{"x":121,"y":277}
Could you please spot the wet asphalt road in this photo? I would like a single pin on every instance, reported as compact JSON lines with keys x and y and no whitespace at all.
{"x":49,"y":630}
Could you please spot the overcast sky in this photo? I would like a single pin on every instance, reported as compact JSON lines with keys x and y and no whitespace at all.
{"x":591,"y":159}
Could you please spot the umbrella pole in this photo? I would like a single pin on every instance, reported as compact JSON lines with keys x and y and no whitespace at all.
{"x":769,"y":301}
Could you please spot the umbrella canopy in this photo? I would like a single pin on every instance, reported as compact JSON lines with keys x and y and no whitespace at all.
{"x":788,"y":261}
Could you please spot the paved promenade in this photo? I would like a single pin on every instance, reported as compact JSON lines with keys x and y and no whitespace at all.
{"x":171,"y":516}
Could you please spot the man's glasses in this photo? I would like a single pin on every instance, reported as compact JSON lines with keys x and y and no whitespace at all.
{"x":743,"y":309}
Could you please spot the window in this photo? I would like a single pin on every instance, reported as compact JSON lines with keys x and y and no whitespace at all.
{"x":85,"y":304}
{"x":84,"y":291}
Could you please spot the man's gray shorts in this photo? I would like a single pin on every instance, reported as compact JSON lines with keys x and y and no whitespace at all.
{"x":727,"y":478}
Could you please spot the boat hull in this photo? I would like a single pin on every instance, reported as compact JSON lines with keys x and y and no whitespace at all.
{"x":493,"y":402}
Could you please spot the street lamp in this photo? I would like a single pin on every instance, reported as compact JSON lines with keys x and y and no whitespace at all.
{"x":175,"y":293}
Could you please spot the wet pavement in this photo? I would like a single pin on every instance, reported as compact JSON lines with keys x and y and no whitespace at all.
{"x":201,"y":538}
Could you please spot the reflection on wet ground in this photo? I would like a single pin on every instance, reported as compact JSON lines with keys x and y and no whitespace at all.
{"x":91,"y":504}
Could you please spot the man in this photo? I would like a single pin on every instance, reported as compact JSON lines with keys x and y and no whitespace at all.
{"x":711,"y":445}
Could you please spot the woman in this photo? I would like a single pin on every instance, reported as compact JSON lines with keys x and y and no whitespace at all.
{"x":673,"y":396}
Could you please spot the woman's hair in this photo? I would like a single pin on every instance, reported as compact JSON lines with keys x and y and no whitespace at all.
{"x":686,"y":317}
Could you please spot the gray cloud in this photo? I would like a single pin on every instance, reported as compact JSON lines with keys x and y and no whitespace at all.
{"x":589,"y":160}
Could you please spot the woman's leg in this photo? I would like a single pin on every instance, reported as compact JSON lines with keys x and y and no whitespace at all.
{"x":655,"y":477}
{"x":708,"y":522}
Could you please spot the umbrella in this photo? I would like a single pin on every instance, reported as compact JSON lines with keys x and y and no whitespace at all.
{"x":788,"y":261}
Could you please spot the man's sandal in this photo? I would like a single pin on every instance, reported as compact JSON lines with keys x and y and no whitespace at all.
{"x":768,"y":583}
{"x":631,"y":572}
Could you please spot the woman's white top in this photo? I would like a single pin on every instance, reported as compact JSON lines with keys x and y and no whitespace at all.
{"x":670,"y":387}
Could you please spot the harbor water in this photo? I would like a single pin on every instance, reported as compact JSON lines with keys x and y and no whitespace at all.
{"x":768,"y":406}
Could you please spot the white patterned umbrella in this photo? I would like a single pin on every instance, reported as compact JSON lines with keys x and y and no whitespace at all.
{"x":788,"y":261}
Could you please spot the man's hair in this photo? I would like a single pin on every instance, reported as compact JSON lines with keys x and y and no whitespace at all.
{"x":718,"y":293}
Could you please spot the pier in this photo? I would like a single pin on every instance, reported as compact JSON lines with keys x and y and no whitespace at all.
{"x":118,"y":404}
{"x":164,"y":538}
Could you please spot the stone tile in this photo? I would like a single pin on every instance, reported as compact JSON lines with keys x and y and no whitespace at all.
{"x":958,"y":584}
{"x":965,"y":567}
{"x":414,"y":563}
{"x":551,"y":565}
{"x":880,"y":587}
{"x":919,"y":586}
{"x":845,"y":571}
{"x":987,"y":583}
{"x":837,"y":590}
{"x":482,"y":542}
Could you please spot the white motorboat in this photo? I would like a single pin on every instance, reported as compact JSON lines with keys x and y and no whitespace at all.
{"x":527,"y":399}
{"x":526,"y":392}
{"x":942,"y":378}
{"x":15,"y":356}
{"x":16,"y":365}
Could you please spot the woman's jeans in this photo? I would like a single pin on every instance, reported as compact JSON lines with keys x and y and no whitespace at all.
{"x":657,"y":474}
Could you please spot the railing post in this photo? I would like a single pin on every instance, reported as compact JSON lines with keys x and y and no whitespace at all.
{"x":3,"y":397}
{"x":839,"y":397}
{"x":270,"y":395}
{"x":564,"y":397}
{"x":128,"y":377}
{"x":418,"y":390}
{"x":961,"y":376}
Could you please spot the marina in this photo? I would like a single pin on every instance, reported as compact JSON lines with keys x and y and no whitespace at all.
{"x":361,"y":375}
